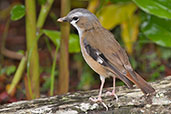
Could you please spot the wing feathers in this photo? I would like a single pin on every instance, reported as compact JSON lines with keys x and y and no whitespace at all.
{"x":101,"y":59}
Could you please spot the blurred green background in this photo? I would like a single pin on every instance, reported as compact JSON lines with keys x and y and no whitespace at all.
{"x":40,"y":57}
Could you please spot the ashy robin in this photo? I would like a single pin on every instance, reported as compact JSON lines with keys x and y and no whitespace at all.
{"x":103,"y":53}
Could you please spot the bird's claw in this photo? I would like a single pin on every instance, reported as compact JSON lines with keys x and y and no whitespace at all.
{"x":99,"y":99}
{"x":111,"y":94}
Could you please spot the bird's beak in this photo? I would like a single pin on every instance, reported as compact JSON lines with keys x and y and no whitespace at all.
{"x":63,"y":19}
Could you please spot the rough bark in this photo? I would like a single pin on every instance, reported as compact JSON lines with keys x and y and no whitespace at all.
{"x":131,"y":101}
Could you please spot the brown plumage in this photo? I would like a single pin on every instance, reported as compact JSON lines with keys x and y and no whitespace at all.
{"x":103,"y":53}
{"x":117,"y":57}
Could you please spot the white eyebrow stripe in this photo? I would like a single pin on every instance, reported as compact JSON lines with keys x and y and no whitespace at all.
{"x":79,"y":14}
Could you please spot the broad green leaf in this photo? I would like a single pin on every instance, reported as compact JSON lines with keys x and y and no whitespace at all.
{"x":53,"y":35}
{"x":158,"y":30}
{"x":161,"y":8}
{"x":114,"y":14}
{"x":74,"y":45}
{"x":73,"y":40}
{"x":17,"y":12}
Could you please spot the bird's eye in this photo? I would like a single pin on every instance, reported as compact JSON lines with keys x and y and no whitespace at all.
{"x":75,"y":18}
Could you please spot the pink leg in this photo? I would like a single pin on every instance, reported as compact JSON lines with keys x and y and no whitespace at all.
{"x":113,"y":91}
{"x":99,"y":99}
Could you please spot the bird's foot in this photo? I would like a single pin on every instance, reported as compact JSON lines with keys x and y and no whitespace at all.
{"x":99,"y":99}
{"x":112,"y":94}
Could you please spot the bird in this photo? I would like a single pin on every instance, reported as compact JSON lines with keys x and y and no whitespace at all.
{"x":103,"y":53}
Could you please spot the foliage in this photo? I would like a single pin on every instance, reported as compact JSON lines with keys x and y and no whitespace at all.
{"x":124,"y":14}
{"x":158,"y":32}
{"x":161,"y":8}
{"x":74,"y":46}
{"x":17,"y":12}
{"x":154,"y":27}
{"x":120,"y":14}
{"x":8,"y":70}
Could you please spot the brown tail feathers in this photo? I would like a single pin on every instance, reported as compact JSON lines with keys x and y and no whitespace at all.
{"x":140,"y":82}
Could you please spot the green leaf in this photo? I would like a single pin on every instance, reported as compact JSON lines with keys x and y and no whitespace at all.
{"x":73,"y":40}
{"x":53,"y":35}
{"x":114,"y":14}
{"x":156,"y":29}
{"x":21,"y":52}
{"x":42,"y":2}
{"x":10,"y":70}
{"x":116,"y":1}
{"x":161,"y":8}
{"x":74,"y":46}
{"x":17,"y":12}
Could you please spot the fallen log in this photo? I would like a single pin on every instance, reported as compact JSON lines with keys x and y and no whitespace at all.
{"x":130,"y":101}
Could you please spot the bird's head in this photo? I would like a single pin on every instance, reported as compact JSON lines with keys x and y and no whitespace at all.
{"x":81,"y":19}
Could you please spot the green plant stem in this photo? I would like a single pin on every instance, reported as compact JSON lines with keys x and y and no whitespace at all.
{"x":53,"y":73}
{"x":18,"y":74}
{"x":28,"y":62}
{"x":63,"y":80}
{"x":30,"y":37}
{"x":41,"y":20}
{"x":43,"y":13}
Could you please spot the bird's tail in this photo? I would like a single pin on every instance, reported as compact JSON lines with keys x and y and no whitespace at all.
{"x":140,"y":82}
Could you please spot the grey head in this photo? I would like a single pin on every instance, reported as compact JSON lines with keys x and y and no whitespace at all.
{"x":81,"y":19}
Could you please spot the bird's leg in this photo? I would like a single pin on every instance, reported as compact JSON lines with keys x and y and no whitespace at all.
{"x":99,"y":99}
{"x":113,"y":91}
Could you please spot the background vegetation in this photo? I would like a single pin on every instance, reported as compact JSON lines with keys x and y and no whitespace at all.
{"x":40,"y":57}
